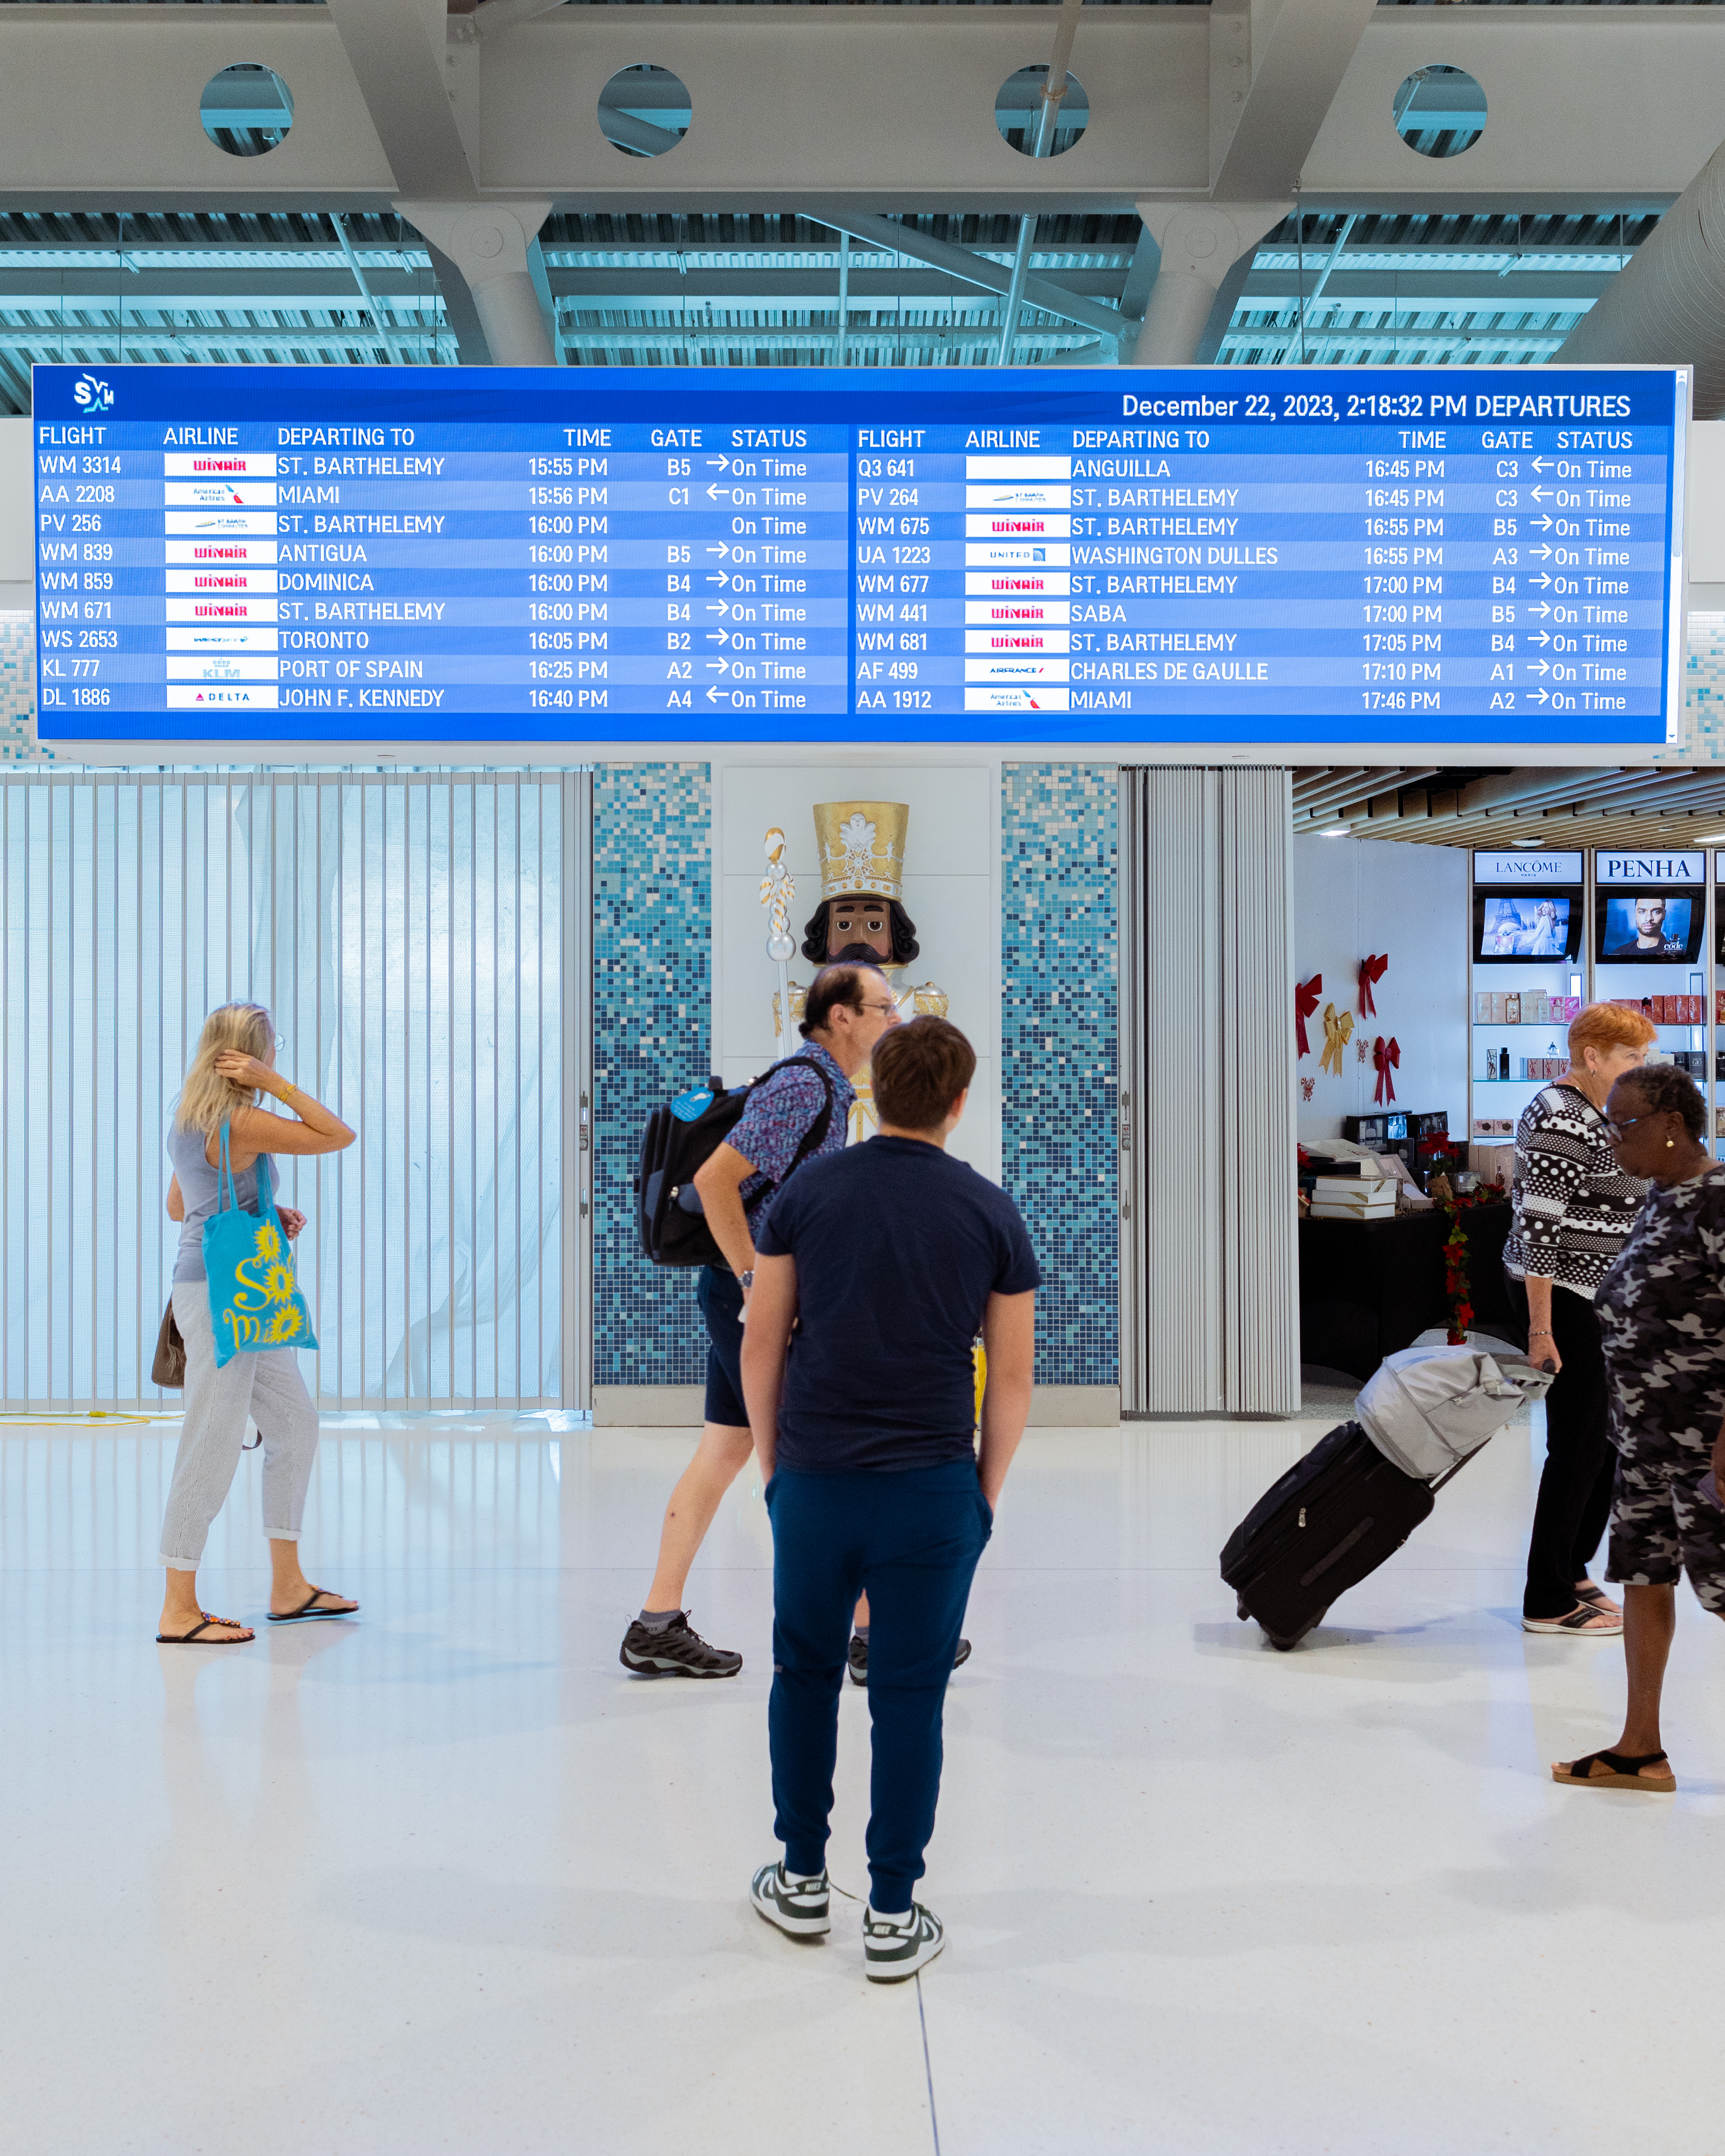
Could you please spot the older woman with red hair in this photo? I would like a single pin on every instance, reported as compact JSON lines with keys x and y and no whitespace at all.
{"x":1573,"y":1208}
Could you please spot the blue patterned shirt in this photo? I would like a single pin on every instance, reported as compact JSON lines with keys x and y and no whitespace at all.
{"x":783,"y":1110}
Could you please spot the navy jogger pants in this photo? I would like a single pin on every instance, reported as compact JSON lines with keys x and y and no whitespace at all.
{"x":913,"y":1539}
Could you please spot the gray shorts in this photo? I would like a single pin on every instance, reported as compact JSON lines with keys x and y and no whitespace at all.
{"x":1662,"y":1525}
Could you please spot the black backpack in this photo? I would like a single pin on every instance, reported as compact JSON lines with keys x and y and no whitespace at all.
{"x":680,"y":1135}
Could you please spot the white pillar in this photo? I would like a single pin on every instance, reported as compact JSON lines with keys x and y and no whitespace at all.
{"x":1200,"y":243}
{"x":488,"y":243}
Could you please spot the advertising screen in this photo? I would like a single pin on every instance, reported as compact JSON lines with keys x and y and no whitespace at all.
{"x":1526,"y":924}
{"x":1276,"y":555}
{"x":1649,"y":927}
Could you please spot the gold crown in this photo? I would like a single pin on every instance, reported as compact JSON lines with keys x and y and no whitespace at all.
{"x":862,"y":845}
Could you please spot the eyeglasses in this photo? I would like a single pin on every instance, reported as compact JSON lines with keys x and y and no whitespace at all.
{"x":1618,"y":1129}
{"x":882,"y":1011}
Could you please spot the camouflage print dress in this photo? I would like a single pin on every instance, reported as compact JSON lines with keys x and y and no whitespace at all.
{"x":1661,"y":1310}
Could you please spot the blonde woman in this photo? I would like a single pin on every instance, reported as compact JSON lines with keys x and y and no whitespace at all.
{"x":235,"y":1062}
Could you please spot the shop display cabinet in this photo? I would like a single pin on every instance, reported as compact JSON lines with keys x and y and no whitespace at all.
{"x":1551,"y":932}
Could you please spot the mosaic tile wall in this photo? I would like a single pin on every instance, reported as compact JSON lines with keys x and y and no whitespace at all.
{"x":1704,"y":696}
{"x":17,"y":689}
{"x":1058,"y":1059}
{"x":652,"y":995}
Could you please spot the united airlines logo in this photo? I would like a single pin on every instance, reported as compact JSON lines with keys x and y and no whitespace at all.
{"x":90,"y":394}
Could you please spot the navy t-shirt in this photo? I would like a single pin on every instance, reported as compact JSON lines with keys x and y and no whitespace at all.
{"x":898,"y":1247}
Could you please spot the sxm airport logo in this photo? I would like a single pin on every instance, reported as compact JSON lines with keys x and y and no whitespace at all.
{"x":90,"y":394}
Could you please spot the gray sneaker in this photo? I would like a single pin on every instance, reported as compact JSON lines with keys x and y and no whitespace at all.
{"x":894,"y":1947}
{"x":675,"y":1650}
{"x":799,"y":1910}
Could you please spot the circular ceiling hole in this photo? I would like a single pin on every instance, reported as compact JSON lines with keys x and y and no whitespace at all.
{"x":246,"y":109}
{"x":644,"y":111}
{"x":1440,"y":112}
{"x":1018,"y":112}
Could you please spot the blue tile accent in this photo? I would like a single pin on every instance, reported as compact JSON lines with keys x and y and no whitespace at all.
{"x":1704,"y":693}
{"x":1059,"y":1061}
{"x":652,"y":1003}
{"x":17,"y":689}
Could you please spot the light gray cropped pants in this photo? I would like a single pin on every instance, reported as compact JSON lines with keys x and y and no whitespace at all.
{"x":267,"y":1387}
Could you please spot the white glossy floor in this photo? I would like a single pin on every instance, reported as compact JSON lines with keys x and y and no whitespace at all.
{"x":446,"y":1879}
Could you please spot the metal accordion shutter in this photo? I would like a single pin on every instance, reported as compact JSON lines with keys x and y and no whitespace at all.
{"x":423,"y":941}
{"x":1208,"y":1294}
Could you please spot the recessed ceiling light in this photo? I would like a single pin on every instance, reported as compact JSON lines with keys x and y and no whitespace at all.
{"x":1712,"y":838}
{"x":1335,"y":831}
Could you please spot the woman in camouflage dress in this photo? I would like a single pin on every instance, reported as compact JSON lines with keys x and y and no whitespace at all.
{"x":1661,"y":1310}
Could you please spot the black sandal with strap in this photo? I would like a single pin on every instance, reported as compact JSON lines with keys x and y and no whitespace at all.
{"x":243,"y":1634}
{"x":1622,"y":1772}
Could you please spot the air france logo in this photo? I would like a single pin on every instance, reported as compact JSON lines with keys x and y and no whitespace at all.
{"x":90,"y":395}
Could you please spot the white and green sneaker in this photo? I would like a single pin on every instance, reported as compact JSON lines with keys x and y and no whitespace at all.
{"x":894,"y":1947}
{"x":798,"y":1906}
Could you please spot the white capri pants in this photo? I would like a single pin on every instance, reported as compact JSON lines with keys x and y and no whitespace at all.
{"x":267,"y":1387}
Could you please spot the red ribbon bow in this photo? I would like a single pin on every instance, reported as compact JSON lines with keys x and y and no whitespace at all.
{"x":1386,"y":1056}
{"x":1372,"y":970}
{"x":1305,"y":996}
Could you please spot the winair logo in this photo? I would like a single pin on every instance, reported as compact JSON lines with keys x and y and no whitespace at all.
{"x":90,"y":394}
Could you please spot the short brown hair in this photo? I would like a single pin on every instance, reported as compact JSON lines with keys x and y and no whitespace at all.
{"x":841,"y":983}
{"x":1606,"y":1026}
{"x":920,"y":1069}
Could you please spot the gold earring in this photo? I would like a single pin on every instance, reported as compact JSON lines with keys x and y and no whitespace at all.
{"x":1669,"y":1144}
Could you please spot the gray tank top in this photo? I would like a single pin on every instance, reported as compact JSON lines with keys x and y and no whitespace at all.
{"x":199,"y":1185}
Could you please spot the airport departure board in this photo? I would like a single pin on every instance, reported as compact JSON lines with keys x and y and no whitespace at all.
{"x":1208,"y":555}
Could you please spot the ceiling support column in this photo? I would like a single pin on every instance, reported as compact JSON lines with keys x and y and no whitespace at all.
{"x":491,"y":247}
{"x":1200,"y":243}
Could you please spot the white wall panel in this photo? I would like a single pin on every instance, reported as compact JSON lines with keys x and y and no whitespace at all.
{"x":416,"y":938}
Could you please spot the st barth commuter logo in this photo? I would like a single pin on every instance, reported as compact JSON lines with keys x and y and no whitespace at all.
{"x":91,"y":394}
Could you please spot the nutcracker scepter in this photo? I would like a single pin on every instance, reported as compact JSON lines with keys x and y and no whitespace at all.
{"x":778,"y":889}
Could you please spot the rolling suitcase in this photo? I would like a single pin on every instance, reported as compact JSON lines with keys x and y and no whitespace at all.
{"x":1354,"y":1499}
{"x":1329,"y":1522}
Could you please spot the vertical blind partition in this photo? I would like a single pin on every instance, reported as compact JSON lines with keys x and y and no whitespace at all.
{"x":1209,"y":1300}
{"x":420,"y":939}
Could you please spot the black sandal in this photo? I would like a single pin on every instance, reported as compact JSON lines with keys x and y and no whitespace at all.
{"x":309,"y":1608}
{"x":1621,"y":1772}
{"x":243,"y":1634}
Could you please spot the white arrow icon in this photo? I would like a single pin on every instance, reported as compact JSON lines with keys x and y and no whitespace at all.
{"x":1542,"y":464}
{"x":719,"y":665}
{"x":1543,"y":638}
{"x":1543,"y":523}
{"x":1538,"y":666}
{"x":1540,"y":583}
{"x":718,"y":576}
{"x":718,"y":606}
{"x":1541,"y":609}
{"x":715,"y":491}
{"x":719,"y":464}
{"x":1538,"y":696}
{"x":718,"y":636}
{"x":712,"y":696}
{"x":1541,"y":553}
{"x":720,"y":551}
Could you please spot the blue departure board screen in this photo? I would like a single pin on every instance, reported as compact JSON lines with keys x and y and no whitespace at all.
{"x":1282,"y":556}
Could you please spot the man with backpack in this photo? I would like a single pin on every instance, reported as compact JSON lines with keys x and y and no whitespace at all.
{"x":797,"y":1113}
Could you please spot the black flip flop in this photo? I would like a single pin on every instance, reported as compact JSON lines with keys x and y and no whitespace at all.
{"x":243,"y":1637}
{"x":310,"y":1609}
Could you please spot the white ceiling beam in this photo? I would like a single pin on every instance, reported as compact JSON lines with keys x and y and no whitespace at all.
{"x":886,"y":108}
{"x":1298,"y":51}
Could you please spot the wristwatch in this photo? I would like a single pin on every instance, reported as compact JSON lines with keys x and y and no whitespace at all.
{"x":746,"y":1280}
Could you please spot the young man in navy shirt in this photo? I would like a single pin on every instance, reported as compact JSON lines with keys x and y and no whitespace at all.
{"x":887,"y":1260}
{"x":796,"y":1114}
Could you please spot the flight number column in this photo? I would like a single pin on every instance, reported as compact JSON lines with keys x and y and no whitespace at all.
{"x":99,"y":626}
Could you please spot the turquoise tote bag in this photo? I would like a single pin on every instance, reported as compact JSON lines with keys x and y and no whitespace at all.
{"x":254,"y":1300}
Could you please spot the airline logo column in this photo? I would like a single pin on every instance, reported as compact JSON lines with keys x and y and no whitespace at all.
{"x":220,"y":519}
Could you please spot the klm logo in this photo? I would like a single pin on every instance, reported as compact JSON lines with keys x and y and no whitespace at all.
{"x":90,"y":395}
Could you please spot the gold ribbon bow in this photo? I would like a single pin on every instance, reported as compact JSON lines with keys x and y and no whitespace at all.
{"x":1338,"y":1026}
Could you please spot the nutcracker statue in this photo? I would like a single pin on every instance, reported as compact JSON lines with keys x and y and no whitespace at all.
{"x":861,"y":915}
